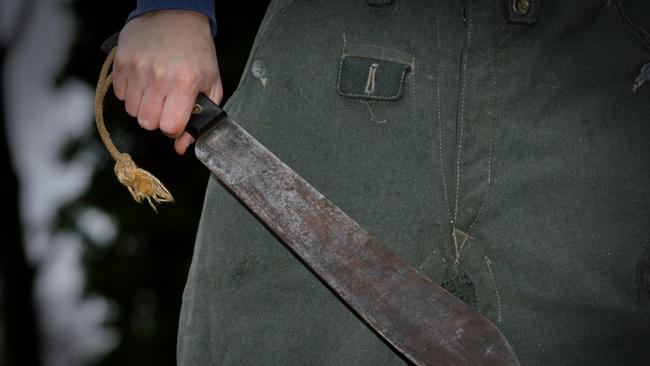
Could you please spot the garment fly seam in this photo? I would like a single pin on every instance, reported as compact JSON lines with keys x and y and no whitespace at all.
{"x":488,"y":263}
{"x":461,"y":112}
{"x":439,"y":116}
{"x":439,"y":121}
{"x":493,"y":133}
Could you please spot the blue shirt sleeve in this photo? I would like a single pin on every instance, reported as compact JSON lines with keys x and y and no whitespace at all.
{"x":202,"y":6}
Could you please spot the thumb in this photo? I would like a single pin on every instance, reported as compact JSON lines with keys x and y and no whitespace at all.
{"x":215,"y":92}
{"x":182,"y":143}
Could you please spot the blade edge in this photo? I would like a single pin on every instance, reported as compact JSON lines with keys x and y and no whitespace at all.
{"x":384,"y":290}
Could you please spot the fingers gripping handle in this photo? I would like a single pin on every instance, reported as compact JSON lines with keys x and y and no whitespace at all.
{"x":205,"y":113}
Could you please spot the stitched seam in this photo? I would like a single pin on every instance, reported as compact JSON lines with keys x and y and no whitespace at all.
{"x":458,"y":249}
{"x":439,"y":119}
{"x":461,"y":116}
{"x":383,"y":58}
{"x":357,"y":49}
{"x":412,"y":76}
{"x":492,"y":138}
{"x":487,"y":189}
{"x":439,"y":116}
{"x":338,"y":80}
{"x":372,"y":114}
{"x":488,"y":263}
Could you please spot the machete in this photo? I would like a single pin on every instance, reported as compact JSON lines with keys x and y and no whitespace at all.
{"x":428,"y":325}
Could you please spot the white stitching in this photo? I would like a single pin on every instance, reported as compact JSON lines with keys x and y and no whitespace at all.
{"x":440,"y":144}
{"x":439,"y":113}
{"x":459,"y":249}
{"x":488,"y":262}
{"x":370,"y":83}
{"x":491,"y":143}
{"x":461,"y":117}
{"x":372,"y":115}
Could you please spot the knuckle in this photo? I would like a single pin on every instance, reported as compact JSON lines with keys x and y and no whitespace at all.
{"x":187,"y":80}
{"x":141,"y":64}
{"x":159,"y":71}
{"x":129,"y":62}
{"x":173,"y":121}
{"x":120,"y":61}
{"x":171,"y":129}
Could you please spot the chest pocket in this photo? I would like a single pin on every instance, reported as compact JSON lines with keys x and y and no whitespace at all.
{"x":373,"y":73}
{"x":371,"y":78}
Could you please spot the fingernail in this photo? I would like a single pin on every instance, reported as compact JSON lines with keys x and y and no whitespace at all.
{"x":144,"y":123}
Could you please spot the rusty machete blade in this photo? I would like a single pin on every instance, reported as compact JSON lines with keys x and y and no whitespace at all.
{"x":418,"y":317}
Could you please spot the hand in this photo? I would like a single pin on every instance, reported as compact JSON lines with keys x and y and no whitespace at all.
{"x":163,"y":60}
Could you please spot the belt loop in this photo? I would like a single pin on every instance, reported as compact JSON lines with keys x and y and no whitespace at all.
{"x":522,"y":11}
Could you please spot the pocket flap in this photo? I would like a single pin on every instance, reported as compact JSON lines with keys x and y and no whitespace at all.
{"x":371,"y":78}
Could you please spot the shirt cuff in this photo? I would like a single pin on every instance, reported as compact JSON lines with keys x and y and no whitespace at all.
{"x":201,"y":6}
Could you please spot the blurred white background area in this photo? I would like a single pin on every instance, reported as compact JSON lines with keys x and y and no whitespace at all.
{"x":41,"y":117}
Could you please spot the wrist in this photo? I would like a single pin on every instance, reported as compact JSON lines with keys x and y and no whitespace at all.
{"x":203,"y":7}
{"x":194,"y":19}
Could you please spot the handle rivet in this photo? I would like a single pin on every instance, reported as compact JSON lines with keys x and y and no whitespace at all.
{"x":197,"y":109}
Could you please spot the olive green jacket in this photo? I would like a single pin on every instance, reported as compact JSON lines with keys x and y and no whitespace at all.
{"x":499,"y":148}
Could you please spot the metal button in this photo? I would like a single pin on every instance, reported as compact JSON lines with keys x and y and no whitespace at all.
{"x":257,"y":68}
{"x":522,"y":7}
{"x":259,"y":71}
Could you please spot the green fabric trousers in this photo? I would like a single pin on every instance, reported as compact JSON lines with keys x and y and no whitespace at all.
{"x":503,"y":155}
